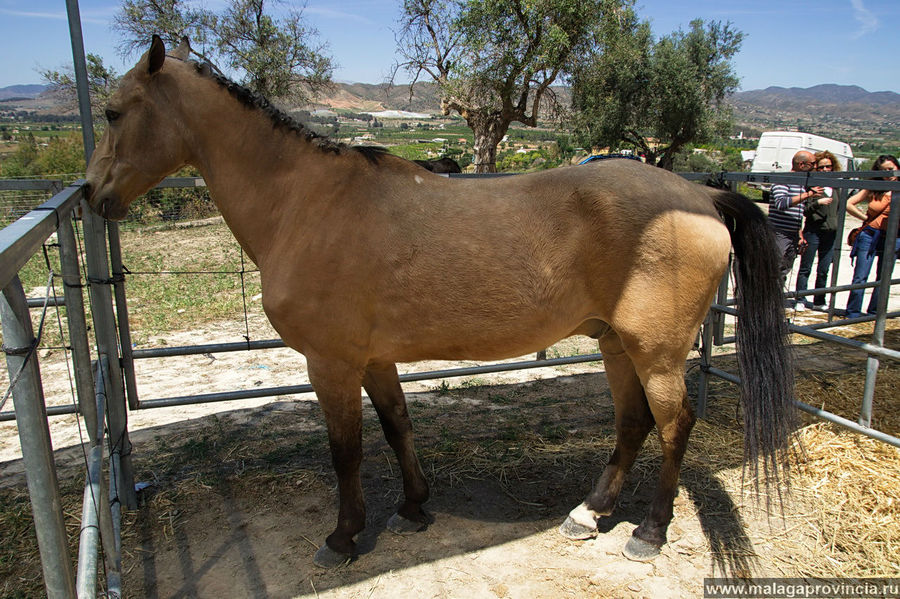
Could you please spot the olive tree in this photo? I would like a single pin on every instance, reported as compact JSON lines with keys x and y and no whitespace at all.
{"x":660,"y":95}
{"x":275,"y":55}
{"x":494,"y":61}
{"x":102,"y":81}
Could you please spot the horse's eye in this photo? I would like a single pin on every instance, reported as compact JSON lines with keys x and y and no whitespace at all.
{"x":111,"y":115}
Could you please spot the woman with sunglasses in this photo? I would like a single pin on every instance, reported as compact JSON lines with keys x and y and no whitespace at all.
{"x":870,"y":241}
{"x":819,"y":235}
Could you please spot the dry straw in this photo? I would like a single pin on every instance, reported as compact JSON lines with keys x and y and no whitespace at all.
{"x":852,"y":481}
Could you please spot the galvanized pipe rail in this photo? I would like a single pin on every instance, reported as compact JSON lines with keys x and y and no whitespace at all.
{"x":98,"y":521}
{"x":34,"y":436}
{"x":168,"y":402}
{"x":18,"y":242}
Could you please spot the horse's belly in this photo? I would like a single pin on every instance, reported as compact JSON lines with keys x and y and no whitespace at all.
{"x":481,"y":341}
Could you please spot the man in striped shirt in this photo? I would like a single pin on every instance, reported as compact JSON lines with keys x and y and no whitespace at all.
{"x":786,"y":211}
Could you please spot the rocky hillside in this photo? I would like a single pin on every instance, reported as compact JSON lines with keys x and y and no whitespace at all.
{"x":844,"y":111}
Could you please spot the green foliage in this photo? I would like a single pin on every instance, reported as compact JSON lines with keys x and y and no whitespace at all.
{"x":169,"y":205}
{"x":275,"y":56}
{"x":694,"y":163}
{"x":23,"y":162}
{"x":523,"y":161}
{"x":495,"y":60}
{"x":673,"y":89}
{"x":61,"y":157}
{"x":417,"y":151}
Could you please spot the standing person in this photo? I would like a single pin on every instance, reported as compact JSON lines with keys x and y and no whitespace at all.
{"x":786,"y":211}
{"x":870,"y":241}
{"x":819,"y":233}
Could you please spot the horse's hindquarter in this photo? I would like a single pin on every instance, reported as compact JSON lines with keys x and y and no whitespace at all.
{"x":437,"y":268}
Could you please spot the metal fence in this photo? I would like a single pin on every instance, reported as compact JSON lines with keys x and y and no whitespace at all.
{"x":18,"y":242}
{"x":843,"y":183}
{"x":18,"y":198}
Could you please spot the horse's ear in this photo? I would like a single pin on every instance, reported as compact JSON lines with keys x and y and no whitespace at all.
{"x":156,"y":55}
{"x":183,"y":51}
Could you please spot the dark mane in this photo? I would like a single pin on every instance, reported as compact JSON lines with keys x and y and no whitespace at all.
{"x":284,"y":121}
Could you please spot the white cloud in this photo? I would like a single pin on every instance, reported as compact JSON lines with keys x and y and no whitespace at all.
{"x":60,"y":15}
{"x":56,"y":15}
{"x":867,"y":20}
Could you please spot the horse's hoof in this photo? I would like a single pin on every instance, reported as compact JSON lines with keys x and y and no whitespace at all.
{"x":575,"y":531}
{"x":328,"y":558}
{"x":638,"y":550}
{"x":399,"y":525}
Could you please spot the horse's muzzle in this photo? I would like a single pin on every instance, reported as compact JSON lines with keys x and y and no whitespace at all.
{"x":106,"y":205}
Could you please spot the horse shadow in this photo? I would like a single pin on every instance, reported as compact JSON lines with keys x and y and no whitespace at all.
{"x":475,"y":507}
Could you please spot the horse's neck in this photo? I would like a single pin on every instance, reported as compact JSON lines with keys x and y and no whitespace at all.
{"x":243,"y":157}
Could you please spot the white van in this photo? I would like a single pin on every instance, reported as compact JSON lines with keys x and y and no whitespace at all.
{"x":777,"y":148}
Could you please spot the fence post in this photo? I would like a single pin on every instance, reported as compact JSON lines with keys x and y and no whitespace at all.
{"x":98,"y":274}
{"x":34,"y":436}
{"x":884,"y":292}
{"x":115,"y":262}
{"x":108,"y":344}
{"x":706,"y":345}
{"x":81,"y":352}
{"x":718,"y":318}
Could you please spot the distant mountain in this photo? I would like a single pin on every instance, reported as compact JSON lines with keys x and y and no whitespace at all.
{"x":845,"y":112}
{"x":828,"y":93}
{"x":21,"y":91}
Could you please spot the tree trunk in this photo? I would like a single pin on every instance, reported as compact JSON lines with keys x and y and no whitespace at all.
{"x":488,"y":131}
{"x":666,"y":161}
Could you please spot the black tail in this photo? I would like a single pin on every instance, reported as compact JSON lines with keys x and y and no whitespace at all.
{"x":763,"y":350}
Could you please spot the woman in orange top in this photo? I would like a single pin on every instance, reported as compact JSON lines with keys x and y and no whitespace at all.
{"x":870,"y":240}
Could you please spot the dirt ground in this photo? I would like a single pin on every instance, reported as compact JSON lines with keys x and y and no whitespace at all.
{"x":237,"y":496}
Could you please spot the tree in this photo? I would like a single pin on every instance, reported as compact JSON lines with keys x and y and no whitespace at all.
{"x":495,"y":60}
{"x":102,"y":81}
{"x":23,"y":162}
{"x":275,"y":56}
{"x":657,"y":96}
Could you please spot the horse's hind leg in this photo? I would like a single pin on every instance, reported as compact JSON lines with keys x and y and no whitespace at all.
{"x":633,"y":422}
{"x":382,"y":383}
{"x":667,"y":397}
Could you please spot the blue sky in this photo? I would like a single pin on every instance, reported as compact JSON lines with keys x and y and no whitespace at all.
{"x":788,"y":42}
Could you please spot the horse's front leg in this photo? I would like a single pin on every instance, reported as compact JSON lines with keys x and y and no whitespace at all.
{"x":337,"y":387}
{"x":382,"y":383}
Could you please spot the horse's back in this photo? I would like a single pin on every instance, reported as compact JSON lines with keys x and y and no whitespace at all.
{"x":509,"y":264}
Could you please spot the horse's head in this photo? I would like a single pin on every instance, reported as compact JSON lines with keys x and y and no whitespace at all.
{"x":143,"y":141}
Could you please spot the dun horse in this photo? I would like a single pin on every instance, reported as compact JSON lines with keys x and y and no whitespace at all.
{"x":368,"y":260}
